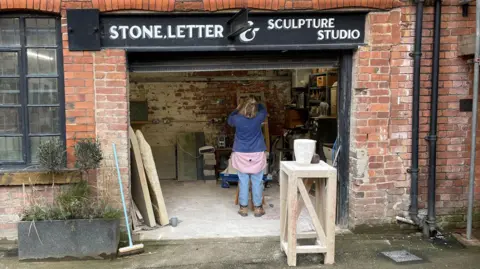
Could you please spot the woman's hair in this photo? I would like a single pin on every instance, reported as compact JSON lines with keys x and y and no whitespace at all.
{"x":248,"y":107}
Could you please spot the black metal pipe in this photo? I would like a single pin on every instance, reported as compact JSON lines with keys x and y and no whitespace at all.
{"x":432,"y":136}
{"x":417,"y":55}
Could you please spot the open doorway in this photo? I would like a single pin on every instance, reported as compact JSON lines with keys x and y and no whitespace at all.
{"x":182,"y":106}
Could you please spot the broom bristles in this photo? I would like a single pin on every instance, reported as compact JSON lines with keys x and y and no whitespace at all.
{"x":135,"y":249}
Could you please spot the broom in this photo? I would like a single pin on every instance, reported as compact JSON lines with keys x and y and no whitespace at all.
{"x":131,"y":249}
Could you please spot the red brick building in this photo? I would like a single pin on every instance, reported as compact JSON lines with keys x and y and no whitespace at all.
{"x":93,"y":90}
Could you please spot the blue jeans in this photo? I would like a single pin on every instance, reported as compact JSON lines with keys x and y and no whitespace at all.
{"x":257,"y":188}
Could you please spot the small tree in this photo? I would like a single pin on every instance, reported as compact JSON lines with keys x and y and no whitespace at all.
{"x":76,"y":201}
{"x":51,"y":155}
{"x":88,"y":155}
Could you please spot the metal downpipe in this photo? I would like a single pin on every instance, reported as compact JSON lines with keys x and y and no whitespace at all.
{"x":471,"y":186}
{"x":417,"y":54}
{"x":432,"y":136}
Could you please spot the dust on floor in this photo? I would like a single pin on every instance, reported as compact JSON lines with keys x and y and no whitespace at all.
{"x":206,"y":210}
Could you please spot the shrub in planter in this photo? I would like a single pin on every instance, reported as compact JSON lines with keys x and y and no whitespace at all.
{"x":88,"y":154}
{"x":51,"y":155}
{"x":76,"y":224}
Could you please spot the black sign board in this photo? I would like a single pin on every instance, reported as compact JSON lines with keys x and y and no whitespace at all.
{"x":210,"y":32}
{"x":83,"y":29}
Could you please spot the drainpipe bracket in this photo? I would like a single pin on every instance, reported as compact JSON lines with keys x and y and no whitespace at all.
{"x":416,"y":53}
{"x":412,"y":170}
{"x":431,"y":138}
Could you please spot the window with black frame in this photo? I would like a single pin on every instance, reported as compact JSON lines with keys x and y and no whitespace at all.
{"x":31,"y":86}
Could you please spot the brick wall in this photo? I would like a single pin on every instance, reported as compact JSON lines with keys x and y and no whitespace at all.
{"x":191,"y":106}
{"x":96,"y":106}
{"x":79,"y":94}
{"x":193,"y":5}
{"x":13,"y":201}
{"x":381,"y":117}
{"x":111,"y":118}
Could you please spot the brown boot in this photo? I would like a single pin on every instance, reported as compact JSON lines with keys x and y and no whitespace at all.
{"x":243,"y":211}
{"x":259,"y":211}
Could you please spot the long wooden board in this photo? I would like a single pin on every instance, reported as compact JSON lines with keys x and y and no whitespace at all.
{"x":155,"y":189}
{"x":140,"y":192}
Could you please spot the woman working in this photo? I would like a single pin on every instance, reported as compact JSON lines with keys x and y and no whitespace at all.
{"x":248,"y":156}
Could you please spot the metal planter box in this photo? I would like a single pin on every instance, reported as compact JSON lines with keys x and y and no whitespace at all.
{"x":83,"y":239}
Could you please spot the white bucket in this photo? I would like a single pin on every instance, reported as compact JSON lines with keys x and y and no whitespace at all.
{"x":304,"y":150}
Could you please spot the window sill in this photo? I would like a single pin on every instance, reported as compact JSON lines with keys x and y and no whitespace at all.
{"x":20,"y":177}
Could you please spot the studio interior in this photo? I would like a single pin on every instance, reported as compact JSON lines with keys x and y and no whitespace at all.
{"x":183,"y":117}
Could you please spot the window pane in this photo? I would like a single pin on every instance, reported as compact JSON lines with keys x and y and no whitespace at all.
{"x":42,"y":61}
{"x":11,"y":149}
{"x":42,"y":91}
{"x":35,"y":142}
{"x":8,"y":63}
{"x":9,"y":91}
{"x":9,"y":32}
{"x":44,"y":120}
{"x":40,"y":32}
{"x":10,"y":120}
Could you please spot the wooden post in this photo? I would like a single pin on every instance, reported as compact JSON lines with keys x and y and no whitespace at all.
{"x":283,"y":208}
{"x":330,"y":209}
{"x":292,"y":220}
{"x":320,"y":199}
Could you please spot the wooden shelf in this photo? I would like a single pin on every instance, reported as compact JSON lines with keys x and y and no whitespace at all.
{"x":319,"y":88}
{"x":325,"y":73}
{"x":323,"y":117}
{"x":295,"y":108}
{"x":139,"y":122}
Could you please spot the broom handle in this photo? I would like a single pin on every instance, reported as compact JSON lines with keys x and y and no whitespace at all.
{"x":121,"y":193}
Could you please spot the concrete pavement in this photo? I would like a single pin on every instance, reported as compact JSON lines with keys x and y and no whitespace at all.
{"x":353,"y":251}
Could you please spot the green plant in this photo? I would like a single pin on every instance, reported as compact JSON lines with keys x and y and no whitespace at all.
{"x":37,"y":213}
{"x":74,"y":202}
{"x":88,"y":154}
{"x":51,"y":155}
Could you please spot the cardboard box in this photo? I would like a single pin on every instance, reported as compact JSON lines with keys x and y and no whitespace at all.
{"x":332,"y":78}
{"x":294,"y":118}
{"x":321,"y":81}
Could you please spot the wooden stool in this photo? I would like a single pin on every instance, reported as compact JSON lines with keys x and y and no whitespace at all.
{"x":250,"y":197}
{"x":323,"y":214}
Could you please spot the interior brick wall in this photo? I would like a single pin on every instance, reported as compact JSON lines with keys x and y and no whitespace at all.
{"x":203,"y":106}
